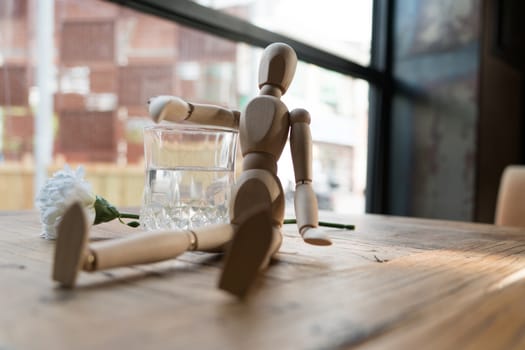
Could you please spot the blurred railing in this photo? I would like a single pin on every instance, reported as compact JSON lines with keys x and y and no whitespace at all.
{"x":120,"y":185}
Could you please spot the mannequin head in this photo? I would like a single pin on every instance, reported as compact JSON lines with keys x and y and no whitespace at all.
{"x":277,"y":66}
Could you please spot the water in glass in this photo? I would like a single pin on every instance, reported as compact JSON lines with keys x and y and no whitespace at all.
{"x":186,"y":197}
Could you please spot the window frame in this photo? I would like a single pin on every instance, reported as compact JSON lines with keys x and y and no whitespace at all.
{"x":378,"y":74}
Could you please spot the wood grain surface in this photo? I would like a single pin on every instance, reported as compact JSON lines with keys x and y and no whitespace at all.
{"x":393,"y":283}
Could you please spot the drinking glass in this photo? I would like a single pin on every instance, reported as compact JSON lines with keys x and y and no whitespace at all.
{"x":189,"y":176}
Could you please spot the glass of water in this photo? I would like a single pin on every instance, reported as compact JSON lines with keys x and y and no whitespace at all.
{"x":189,"y":176}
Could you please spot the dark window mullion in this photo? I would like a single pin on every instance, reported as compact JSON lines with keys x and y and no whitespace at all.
{"x":378,"y":163}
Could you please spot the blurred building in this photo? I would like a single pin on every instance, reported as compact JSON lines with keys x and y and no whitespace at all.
{"x":108,"y":61}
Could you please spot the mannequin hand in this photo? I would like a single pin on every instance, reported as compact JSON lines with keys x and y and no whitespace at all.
{"x":168,"y":107}
{"x":315,"y":236}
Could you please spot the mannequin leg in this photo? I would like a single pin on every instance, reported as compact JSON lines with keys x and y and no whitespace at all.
{"x":255,"y":240}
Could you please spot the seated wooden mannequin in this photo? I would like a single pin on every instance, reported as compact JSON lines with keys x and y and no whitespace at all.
{"x":253,"y":235}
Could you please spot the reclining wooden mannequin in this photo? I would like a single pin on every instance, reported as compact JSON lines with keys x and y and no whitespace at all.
{"x":253,"y":235}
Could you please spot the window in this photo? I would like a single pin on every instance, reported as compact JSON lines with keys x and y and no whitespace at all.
{"x":343,"y":28}
{"x":106,"y":60}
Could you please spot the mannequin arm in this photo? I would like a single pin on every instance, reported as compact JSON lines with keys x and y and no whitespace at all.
{"x":305,"y":200}
{"x":177,"y":110}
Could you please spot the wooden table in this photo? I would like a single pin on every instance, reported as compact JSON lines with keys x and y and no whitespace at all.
{"x":393,"y":283}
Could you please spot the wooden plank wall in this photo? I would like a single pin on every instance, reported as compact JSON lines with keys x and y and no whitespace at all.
{"x":120,"y":185}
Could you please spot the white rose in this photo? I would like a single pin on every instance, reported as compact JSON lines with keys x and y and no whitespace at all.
{"x":58,"y":193}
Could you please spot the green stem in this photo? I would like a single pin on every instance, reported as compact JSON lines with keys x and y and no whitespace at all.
{"x":128,"y":216}
{"x":336,"y":225}
{"x":325,"y":224}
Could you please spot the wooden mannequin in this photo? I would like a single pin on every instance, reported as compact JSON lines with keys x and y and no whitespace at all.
{"x":257,"y":206}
